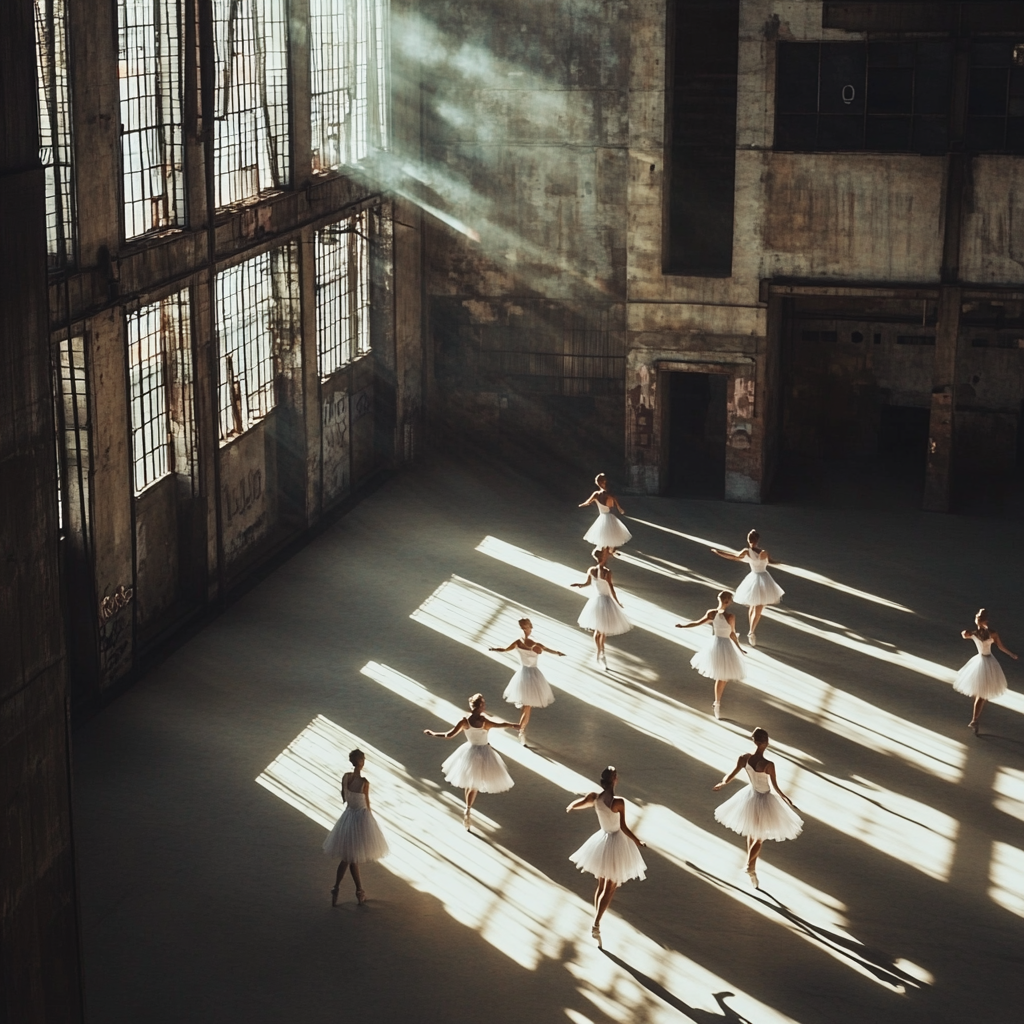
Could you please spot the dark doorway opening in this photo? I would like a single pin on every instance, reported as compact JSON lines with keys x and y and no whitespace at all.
{"x":696,"y":435}
{"x":903,"y":437}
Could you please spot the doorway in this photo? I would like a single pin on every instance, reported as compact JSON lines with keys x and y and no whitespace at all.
{"x":696,"y":434}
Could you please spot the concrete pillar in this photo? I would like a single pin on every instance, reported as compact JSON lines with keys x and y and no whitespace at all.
{"x":39,"y":953}
{"x":938,"y":472}
{"x":312,"y":413}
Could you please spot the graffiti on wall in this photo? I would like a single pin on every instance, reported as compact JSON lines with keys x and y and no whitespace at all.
{"x":740,"y":412}
{"x":335,"y":425}
{"x":244,"y":494}
{"x":113,"y":603}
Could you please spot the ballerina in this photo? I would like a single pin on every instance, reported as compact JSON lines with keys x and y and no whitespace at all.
{"x":756,"y":812}
{"x":603,"y":611}
{"x":528,"y":688}
{"x":612,"y":853}
{"x":758,"y":589}
{"x":719,"y":661}
{"x":356,"y":837}
{"x":982,"y":677}
{"x":476,"y":766}
{"x":607,"y":531}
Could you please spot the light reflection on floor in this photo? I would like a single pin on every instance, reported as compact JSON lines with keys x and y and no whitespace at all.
{"x":800,"y":908}
{"x":915,"y":833}
{"x":1006,"y":877}
{"x":807,"y":574}
{"x":514,"y":907}
{"x":790,"y":689}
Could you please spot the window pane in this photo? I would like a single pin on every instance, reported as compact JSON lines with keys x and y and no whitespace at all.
{"x":836,"y":132}
{"x":888,"y":134}
{"x":890,"y":90}
{"x":987,"y":94}
{"x":842,"y":78}
{"x":797,"y":78}
{"x":796,"y":132}
{"x":985,"y":134}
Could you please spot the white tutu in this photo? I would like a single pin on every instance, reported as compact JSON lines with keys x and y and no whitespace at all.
{"x":719,"y":660}
{"x":610,"y":855}
{"x":529,"y":687}
{"x":477,"y":766}
{"x":758,"y":588}
{"x":759,"y":815}
{"x":603,"y":614}
{"x":607,"y":532}
{"x":356,"y":837}
{"x":982,"y":677}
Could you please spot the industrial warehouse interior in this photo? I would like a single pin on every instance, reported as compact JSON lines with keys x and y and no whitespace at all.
{"x":324,"y":325}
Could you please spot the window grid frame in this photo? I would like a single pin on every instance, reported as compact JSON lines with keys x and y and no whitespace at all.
{"x":151,"y":81}
{"x":56,"y":142}
{"x":350,"y":81}
{"x":157,"y":334}
{"x":252,"y":100}
{"x":343,"y":292}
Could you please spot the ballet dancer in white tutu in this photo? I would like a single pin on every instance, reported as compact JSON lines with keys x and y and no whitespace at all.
{"x":756,"y":812}
{"x":528,"y":688}
{"x":603,"y":611}
{"x":356,"y":837}
{"x":721,"y":660}
{"x":476,"y":766}
{"x":982,"y":677}
{"x":758,"y":589}
{"x":612,"y":853}
{"x":607,"y":531}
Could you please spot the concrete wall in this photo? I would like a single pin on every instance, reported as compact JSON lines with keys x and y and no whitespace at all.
{"x":39,"y":968}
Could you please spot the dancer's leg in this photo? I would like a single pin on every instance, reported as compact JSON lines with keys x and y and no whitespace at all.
{"x":341,"y":873}
{"x":979,"y":703}
{"x":607,"y":892}
{"x":754,"y":615}
{"x":355,"y":877}
{"x":753,"y":852}
{"x":719,"y":690}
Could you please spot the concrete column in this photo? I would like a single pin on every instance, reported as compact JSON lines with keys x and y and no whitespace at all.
{"x":301,"y":124}
{"x":96,"y":116}
{"x":938,"y":472}
{"x":39,"y":951}
{"x":312,"y":414}
{"x":408,"y":275}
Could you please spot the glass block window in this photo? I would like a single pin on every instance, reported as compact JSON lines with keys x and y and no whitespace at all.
{"x":159,"y":363}
{"x":151,"y":75}
{"x":251,"y":103}
{"x":343,"y":292}
{"x":350,"y":77}
{"x":55,"y":129}
{"x":257,"y":305}
{"x":885,"y":95}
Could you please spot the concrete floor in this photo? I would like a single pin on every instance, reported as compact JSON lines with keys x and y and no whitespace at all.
{"x":205,"y":894}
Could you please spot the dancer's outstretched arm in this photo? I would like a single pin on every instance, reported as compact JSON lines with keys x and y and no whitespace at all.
{"x":583,"y":801}
{"x":511,"y":647}
{"x":738,"y":557}
{"x":497,"y":723}
{"x":589,"y":501}
{"x":708,"y":616}
{"x":550,"y":650}
{"x":999,"y":644}
{"x":452,"y":732}
{"x":740,"y":762}
{"x":586,"y":582}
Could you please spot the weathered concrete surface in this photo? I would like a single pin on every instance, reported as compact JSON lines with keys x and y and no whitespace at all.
{"x":39,"y":968}
{"x":895,"y":865}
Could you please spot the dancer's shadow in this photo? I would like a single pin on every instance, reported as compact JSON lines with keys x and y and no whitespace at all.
{"x":698,"y":1016}
{"x":875,"y":961}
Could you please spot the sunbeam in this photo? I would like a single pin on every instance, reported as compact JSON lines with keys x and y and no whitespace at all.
{"x":796,"y":692}
{"x":511,"y":905}
{"x":793,"y":904}
{"x":793,"y":570}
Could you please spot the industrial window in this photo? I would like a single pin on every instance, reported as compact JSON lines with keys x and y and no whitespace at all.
{"x":350,"y":71}
{"x":151,"y":73}
{"x":251,"y":101}
{"x":701,"y":143}
{"x":257,"y":309}
{"x":995,"y":99}
{"x":159,"y":362}
{"x":343,"y":292}
{"x":74,"y":462}
{"x":55,"y":129}
{"x":884,"y":95}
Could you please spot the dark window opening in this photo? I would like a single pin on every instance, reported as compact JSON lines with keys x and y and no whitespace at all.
{"x":915,"y":339}
{"x":886,"y":96}
{"x":995,"y":97}
{"x":703,"y":45}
